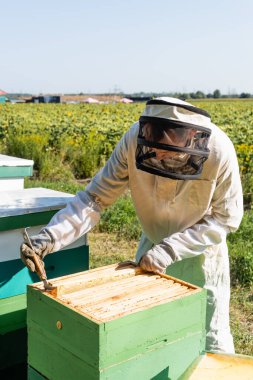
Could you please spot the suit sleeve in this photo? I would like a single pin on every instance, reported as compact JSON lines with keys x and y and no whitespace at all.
{"x":83,"y":212}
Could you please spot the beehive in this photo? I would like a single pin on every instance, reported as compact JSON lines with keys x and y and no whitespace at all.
{"x":13,"y":170}
{"x":114,"y":323}
{"x":19,"y":209}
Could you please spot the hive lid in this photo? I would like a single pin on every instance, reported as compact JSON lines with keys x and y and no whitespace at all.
{"x":26,"y":201}
{"x":110,"y":292}
{"x":14,"y":161}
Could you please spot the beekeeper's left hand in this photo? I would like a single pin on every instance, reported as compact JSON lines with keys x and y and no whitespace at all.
{"x":155,"y":261}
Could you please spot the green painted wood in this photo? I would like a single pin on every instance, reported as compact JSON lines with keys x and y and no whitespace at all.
{"x":157,"y":326}
{"x":153,"y":327}
{"x":104,"y":349}
{"x":21,"y":221}
{"x":188,"y":270}
{"x":12,"y":313}
{"x":15,"y":171}
{"x":14,"y":276}
{"x":79,"y":335}
{"x":13,"y":348}
{"x":166,"y":363}
{"x":32,"y":374}
{"x":55,"y":362}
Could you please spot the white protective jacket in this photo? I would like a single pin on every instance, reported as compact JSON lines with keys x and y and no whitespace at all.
{"x":192,"y":217}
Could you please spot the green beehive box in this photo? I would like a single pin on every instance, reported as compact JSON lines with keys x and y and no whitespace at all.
{"x":114,"y":323}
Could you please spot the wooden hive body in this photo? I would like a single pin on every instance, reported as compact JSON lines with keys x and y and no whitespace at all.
{"x":115,"y":323}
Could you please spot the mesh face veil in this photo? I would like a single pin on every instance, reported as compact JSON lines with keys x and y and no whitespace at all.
{"x":173,"y":139}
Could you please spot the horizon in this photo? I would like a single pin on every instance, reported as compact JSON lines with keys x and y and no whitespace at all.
{"x":139,"y":94}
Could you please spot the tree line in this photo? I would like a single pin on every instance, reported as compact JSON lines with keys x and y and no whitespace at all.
{"x":216,"y":94}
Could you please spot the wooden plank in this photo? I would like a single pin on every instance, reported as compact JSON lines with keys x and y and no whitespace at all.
{"x":153,"y":327}
{"x":30,"y":207}
{"x":109,"y":292}
{"x":101,"y":275}
{"x":220,"y":366}
{"x":131,"y":301}
{"x":76,"y":334}
{"x":32,"y":374}
{"x":34,"y":200}
{"x":15,"y":171}
{"x":55,"y":362}
{"x":9,"y":161}
{"x":12,"y":313}
{"x":100,"y":291}
{"x":108,"y":313}
{"x":81,"y":280}
{"x":171,"y":360}
{"x":22,"y":221}
{"x":164,"y":363}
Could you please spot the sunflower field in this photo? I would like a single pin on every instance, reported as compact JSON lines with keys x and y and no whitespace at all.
{"x":68,"y":141}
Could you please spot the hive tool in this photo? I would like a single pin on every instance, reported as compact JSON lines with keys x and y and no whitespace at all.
{"x":39,"y":265}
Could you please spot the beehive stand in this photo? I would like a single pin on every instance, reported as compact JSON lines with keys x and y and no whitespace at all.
{"x":114,"y":323}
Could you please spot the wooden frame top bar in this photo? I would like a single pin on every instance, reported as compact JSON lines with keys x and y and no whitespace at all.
{"x":110,"y":292}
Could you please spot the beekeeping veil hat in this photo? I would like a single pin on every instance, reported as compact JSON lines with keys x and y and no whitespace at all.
{"x":173,"y":139}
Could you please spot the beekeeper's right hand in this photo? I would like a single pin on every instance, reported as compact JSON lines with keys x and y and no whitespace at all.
{"x":42,"y":245}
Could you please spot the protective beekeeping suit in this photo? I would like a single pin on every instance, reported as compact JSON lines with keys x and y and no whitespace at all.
{"x":183,"y":175}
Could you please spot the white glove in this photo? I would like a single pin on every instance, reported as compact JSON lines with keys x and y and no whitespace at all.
{"x":42,"y":245}
{"x":156,"y":260}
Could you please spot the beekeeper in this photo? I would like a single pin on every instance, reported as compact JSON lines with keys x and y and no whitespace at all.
{"x":183,"y":175}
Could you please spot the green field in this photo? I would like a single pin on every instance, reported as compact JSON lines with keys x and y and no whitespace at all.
{"x":79,"y":138}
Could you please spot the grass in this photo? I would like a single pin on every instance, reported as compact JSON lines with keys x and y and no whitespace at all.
{"x":241,"y":319}
{"x":106,"y":249}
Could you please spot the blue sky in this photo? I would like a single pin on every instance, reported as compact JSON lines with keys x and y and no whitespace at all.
{"x":105,"y":46}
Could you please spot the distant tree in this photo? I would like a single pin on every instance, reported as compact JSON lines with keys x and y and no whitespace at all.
{"x":183,"y":96}
{"x":199,"y":95}
{"x":209,"y":95}
{"x":216,"y":94}
{"x":245,"y":95}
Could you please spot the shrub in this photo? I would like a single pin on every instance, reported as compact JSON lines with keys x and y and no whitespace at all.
{"x":53,"y":168}
{"x":121,"y":218}
{"x":241,"y":252}
{"x":30,"y":146}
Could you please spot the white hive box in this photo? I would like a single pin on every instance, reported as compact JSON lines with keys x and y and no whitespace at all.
{"x":12,"y":172}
